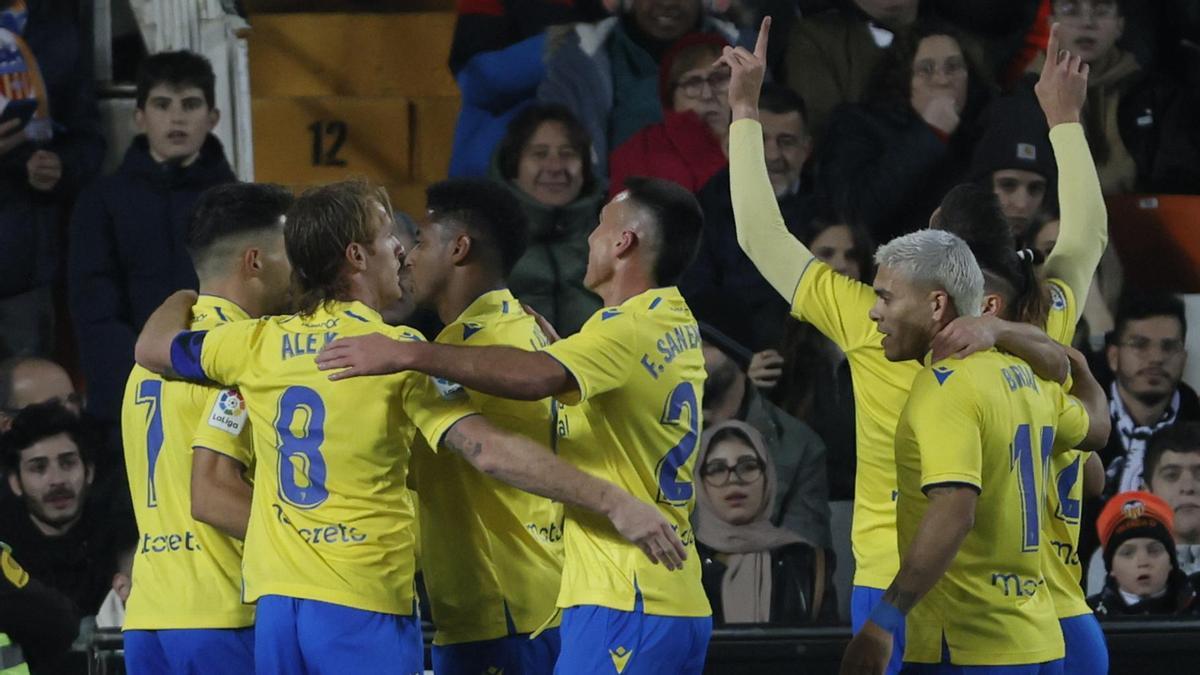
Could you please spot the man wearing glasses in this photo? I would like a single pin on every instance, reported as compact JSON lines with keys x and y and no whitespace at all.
{"x":1146,"y":353}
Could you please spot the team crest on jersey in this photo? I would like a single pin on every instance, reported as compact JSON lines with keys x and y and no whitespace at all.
{"x":229,"y":412}
{"x":1057,"y":300}
{"x":447,"y":388}
{"x":1133,"y":509}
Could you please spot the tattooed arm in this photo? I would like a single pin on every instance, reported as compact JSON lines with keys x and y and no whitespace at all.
{"x":526,"y":465}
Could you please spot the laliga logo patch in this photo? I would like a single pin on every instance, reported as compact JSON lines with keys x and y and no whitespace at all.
{"x":229,"y":412}
{"x":1133,"y":509}
{"x":1057,"y":299}
{"x":447,"y":389}
{"x":1027,"y":151}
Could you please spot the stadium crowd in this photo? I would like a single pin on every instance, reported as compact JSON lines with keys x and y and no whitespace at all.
{"x":877,"y":119}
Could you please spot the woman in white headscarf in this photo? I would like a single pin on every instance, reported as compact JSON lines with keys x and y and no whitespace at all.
{"x":753,"y":571}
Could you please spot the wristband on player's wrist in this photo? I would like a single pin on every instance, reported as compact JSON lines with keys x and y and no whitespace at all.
{"x":886,"y":616}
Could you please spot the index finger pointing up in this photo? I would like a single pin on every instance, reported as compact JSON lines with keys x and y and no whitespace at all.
{"x":1052,"y":47}
{"x":760,"y":47}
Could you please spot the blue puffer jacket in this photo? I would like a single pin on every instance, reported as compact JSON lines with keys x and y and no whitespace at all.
{"x":127,"y":254}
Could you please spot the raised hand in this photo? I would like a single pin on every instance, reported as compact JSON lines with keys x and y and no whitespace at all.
{"x":766,"y":367}
{"x":1062,"y":88}
{"x":746,"y":72}
{"x":941,"y":114}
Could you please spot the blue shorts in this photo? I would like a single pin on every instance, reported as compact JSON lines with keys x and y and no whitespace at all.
{"x":512,"y":655}
{"x":862,"y":601}
{"x":946,"y":668}
{"x":603,"y":641}
{"x":188,"y":651}
{"x":1087,"y":652}
{"x":309,"y":636}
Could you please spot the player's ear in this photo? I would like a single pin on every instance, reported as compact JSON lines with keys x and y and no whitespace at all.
{"x":252,"y":261}
{"x":356,"y":256}
{"x":461,"y":248}
{"x":939,"y":304}
{"x":626,"y":242}
{"x":993,"y":305}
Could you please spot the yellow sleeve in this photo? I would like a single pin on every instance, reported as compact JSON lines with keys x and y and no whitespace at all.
{"x":836,"y":305}
{"x":434,"y":405}
{"x":1061,"y":319}
{"x":1083,"y":229}
{"x":761,"y":230}
{"x":224,"y":350}
{"x":1073,"y":420}
{"x":225,"y":427}
{"x":946,"y":420}
{"x":601,"y":357}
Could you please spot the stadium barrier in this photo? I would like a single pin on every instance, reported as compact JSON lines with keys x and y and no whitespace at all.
{"x":1135,"y":647}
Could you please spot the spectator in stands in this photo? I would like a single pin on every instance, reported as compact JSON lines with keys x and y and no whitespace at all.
{"x":65,"y":539}
{"x":831,"y":56}
{"x":42,"y":164}
{"x":1173,"y":473}
{"x":25,"y":380}
{"x":1139,"y":555}
{"x":112,"y":610}
{"x":690,"y":145}
{"x":1146,"y":353}
{"x":497,"y":60}
{"x":1014,"y":158}
{"x":1141,"y":127}
{"x":797,"y":453}
{"x":543,"y":161}
{"x":886,"y":163}
{"x":127,"y":234}
{"x":607,"y":72}
{"x":38,"y":619}
{"x":489,"y":25}
{"x":752,"y":570}
{"x":815,"y":385}
{"x":722,"y":286}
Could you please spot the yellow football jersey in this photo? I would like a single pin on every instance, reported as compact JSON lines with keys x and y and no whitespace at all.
{"x":985,"y":421}
{"x":186,"y":574}
{"x":506,"y":552}
{"x":1064,"y":494}
{"x":331,"y":519}
{"x":838,"y":306}
{"x":640,"y":372}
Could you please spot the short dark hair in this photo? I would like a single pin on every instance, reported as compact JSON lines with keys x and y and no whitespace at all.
{"x":1136,"y":305}
{"x":522,"y":128}
{"x":973,"y":212}
{"x":679,"y":220}
{"x":40,"y":421}
{"x":321,"y":223}
{"x":1179,"y":437}
{"x":234,"y":209}
{"x":778,"y":99}
{"x":488,"y":211}
{"x":177,"y":69}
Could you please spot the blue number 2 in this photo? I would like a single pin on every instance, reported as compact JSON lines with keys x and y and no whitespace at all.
{"x":301,"y":466}
{"x":150,"y":393}
{"x":671,"y":490}
{"x":1022,"y":458}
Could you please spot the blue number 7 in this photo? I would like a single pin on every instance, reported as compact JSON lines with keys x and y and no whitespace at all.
{"x":671,"y":490}
{"x":150,"y":393}
{"x":1022,"y":458}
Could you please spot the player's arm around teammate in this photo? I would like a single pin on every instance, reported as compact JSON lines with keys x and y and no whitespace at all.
{"x":220,"y":495}
{"x":507,"y":457}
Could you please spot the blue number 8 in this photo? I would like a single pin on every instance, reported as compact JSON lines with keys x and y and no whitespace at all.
{"x":671,"y":490}
{"x":300,"y":456}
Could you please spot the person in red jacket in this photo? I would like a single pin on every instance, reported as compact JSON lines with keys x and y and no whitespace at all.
{"x":689,"y":146}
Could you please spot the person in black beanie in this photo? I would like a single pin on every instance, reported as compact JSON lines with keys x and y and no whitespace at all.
{"x":1144,"y":578}
{"x":1014,"y":158}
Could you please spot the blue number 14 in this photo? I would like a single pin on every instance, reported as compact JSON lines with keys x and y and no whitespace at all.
{"x":1031,"y":502}
{"x":670,"y":489}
